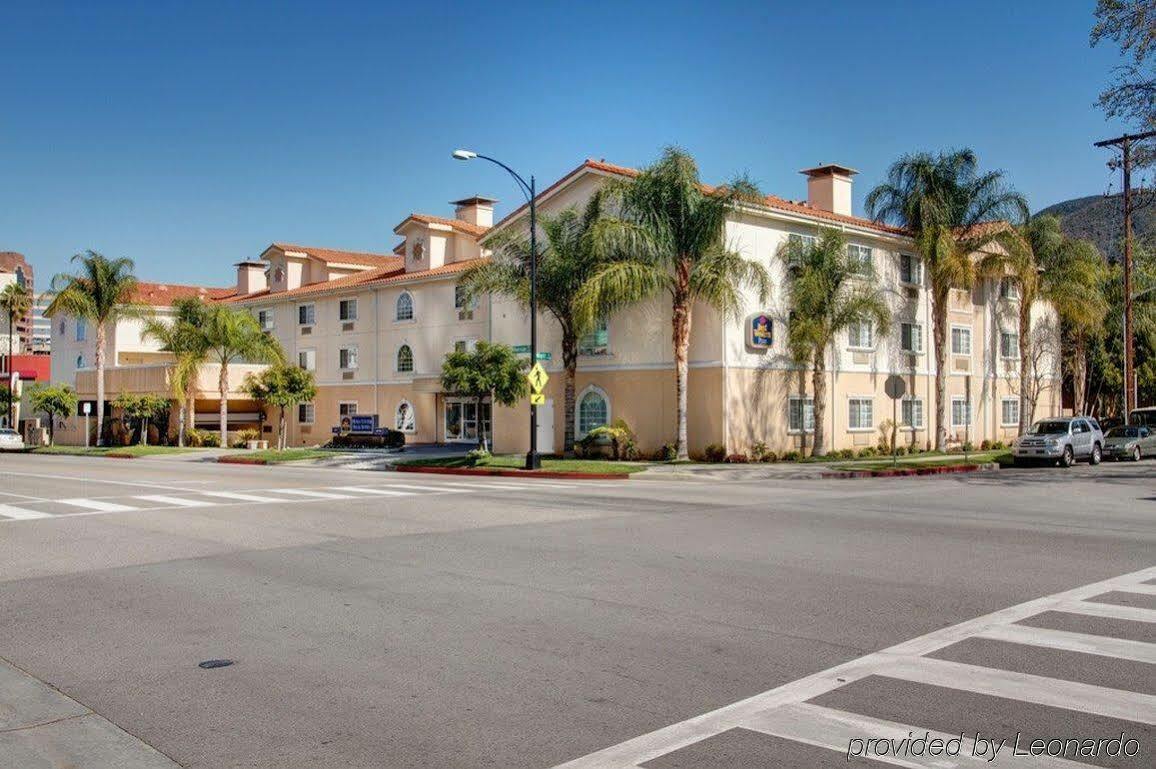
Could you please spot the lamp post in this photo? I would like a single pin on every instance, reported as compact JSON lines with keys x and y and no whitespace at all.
{"x":533,"y":461}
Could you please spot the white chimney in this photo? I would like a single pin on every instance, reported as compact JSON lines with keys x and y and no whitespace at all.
{"x":251,"y":277}
{"x":476,"y":210}
{"x":829,"y":188}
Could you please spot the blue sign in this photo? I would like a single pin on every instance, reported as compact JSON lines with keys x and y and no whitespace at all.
{"x":761,"y":331}
{"x":363,"y":423}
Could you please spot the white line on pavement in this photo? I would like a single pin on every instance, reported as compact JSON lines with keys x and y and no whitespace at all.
{"x":313,"y":494}
{"x":1086,"y":643}
{"x":176,"y":501}
{"x":1107,"y":610}
{"x":415,"y":487}
{"x":239,"y":496}
{"x":97,"y":504}
{"x":20,"y":514}
{"x":1139,"y":589}
{"x":371,"y":490}
{"x":139,"y":484}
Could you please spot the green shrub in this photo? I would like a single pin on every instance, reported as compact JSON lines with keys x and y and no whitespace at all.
{"x":985,"y":445}
{"x":769,"y":456}
{"x":476,"y":457}
{"x":998,"y":446}
{"x":868,"y":451}
{"x":207,"y":438}
{"x":668,"y":453}
{"x":967,"y":446}
{"x":758,"y":451}
{"x":792,"y":456}
{"x":737,"y":459}
{"x":846,"y":453}
{"x":620,"y":437}
{"x":714,"y":452}
{"x":241,"y":437}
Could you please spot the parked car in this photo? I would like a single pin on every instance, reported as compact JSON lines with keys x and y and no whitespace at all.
{"x":10,"y":440}
{"x":1131,"y":442}
{"x":1060,"y":439}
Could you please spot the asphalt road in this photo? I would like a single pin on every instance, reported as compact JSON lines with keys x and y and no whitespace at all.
{"x":506,"y":624}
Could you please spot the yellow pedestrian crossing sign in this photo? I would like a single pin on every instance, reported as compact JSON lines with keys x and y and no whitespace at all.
{"x":537,"y":399}
{"x":537,"y":378}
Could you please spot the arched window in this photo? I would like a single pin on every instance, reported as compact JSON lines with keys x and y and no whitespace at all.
{"x":404,"y":358}
{"x":404,"y":307}
{"x":593,"y":410}
{"x":405,"y":419}
{"x":80,"y":361}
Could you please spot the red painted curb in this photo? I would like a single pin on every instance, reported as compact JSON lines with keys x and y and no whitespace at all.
{"x":551,"y":474}
{"x":119,"y":455}
{"x":228,"y":460}
{"x":903,"y":472}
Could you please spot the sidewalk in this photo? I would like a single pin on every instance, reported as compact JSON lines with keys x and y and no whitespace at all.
{"x":40,"y":727}
{"x":782,"y":471}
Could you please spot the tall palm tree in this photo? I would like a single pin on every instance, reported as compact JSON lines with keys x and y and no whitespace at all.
{"x":826,"y":293}
{"x":568,"y":260}
{"x":15,"y":301}
{"x":1074,"y":278}
{"x":235,"y":336}
{"x":101,"y":291}
{"x":182,"y":336}
{"x":953,"y":212}
{"x":670,"y":236}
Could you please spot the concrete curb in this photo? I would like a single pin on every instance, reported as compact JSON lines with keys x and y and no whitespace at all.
{"x":905,"y":472}
{"x":546,"y":474}
{"x":230,"y":459}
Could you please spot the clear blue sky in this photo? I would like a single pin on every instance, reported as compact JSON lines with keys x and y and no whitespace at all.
{"x":190,"y":135}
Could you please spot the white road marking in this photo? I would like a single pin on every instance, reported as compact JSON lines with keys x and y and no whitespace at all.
{"x":906,"y":660}
{"x":313,"y":494}
{"x":174,"y":501}
{"x":20,"y":514}
{"x":1086,"y":643}
{"x":97,"y":504}
{"x":1107,"y":610}
{"x":834,"y":730}
{"x":371,"y":490}
{"x":415,"y":487}
{"x":1140,"y":589}
{"x":239,"y":496}
{"x":488,"y":485}
{"x":139,"y":484}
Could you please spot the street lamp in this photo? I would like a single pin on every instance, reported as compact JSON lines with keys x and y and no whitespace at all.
{"x":533,"y":461}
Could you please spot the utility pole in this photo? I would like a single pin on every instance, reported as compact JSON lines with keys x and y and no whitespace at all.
{"x":1125,"y":144}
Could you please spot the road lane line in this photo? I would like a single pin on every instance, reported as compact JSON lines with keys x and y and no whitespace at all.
{"x":85,"y":479}
{"x":1139,"y":589}
{"x":20,"y":514}
{"x":1107,"y":610}
{"x":835,"y":729}
{"x":313,"y":494}
{"x":175,"y":501}
{"x":488,"y":485}
{"x":1103,"y":646}
{"x":239,"y":496}
{"x":1025,"y":687}
{"x":415,"y":487}
{"x":371,"y":490}
{"x":97,"y":504}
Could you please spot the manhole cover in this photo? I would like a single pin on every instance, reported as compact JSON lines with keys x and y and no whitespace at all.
{"x":210,"y":664}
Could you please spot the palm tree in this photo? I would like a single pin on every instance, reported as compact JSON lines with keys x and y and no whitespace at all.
{"x":953,"y":212}
{"x":15,"y":301}
{"x":1074,"y":278}
{"x":826,"y":293}
{"x":182,"y":336}
{"x":568,"y":260}
{"x":102,"y":292}
{"x":235,"y":336}
{"x":671,"y":236}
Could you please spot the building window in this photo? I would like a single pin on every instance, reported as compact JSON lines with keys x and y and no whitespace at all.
{"x":305,"y":413}
{"x":405,"y":420}
{"x":910,"y":270}
{"x":960,"y":340}
{"x":960,"y":412}
{"x":80,"y":361}
{"x":465,"y":345}
{"x":1009,"y":288}
{"x":859,"y":414}
{"x":265,"y":319}
{"x":404,"y":359}
{"x":593,"y":410}
{"x":404,"y":309}
{"x":346,"y":408}
{"x":61,"y":326}
{"x":1009,"y":344}
{"x":911,"y":337}
{"x":81,"y":329}
{"x":305,"y":315}
{"x":347,"y":358}
{"x":800,"y":414}
{"x":1009,"y":412}
{"x":859,"y":258}
{"x":861,"y":335}
{"x":461,"y":300}
{"x":307,"y":359}
{"x":798,"y":245}
{"x":347,"y":309}
{"x":597,"y":340}
{"x":912,"y":412}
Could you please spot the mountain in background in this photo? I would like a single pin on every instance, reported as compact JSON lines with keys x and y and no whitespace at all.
{"x":1100,"y":219}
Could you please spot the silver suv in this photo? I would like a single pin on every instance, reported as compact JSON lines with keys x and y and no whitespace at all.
{"x":1062,"y":440}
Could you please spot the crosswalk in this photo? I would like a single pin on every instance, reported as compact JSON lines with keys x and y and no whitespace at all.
{"x":34,"y":509}
{"x":798,"y":712}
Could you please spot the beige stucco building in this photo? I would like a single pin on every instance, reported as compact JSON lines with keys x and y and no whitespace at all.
{"x":375,"y":328}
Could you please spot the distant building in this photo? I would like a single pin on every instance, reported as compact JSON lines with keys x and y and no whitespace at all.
{"x":41,"y":340}
{"x":14,"y":268}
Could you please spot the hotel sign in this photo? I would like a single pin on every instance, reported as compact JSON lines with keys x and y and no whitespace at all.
{"x":360,"y":424}
{"x":760,"y":331}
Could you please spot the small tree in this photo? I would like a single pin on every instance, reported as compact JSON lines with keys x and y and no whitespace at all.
{"x":493,"y":370}
{"x":55,"y":401}
{"x":234,"y":336}
{"x":282,"y":386}
{"x":15,"y":301}
{"x":141,"y":409}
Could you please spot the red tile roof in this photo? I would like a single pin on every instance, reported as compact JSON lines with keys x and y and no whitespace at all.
{"x":457,"y":224}
{"x":361,"y":258}
{"x":164,"y":294}
{"x":770,"y":201}
{"x":388,"y":275}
